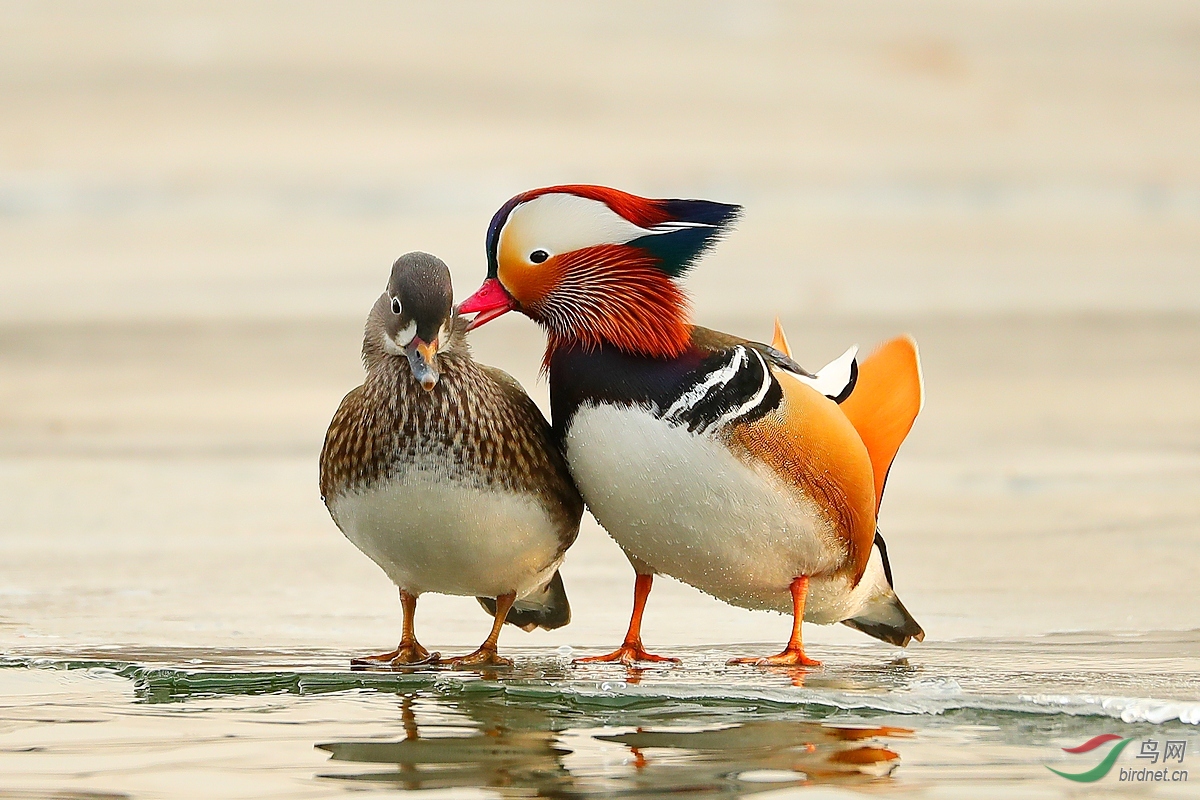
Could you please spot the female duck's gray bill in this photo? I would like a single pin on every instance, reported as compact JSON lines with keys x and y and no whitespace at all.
{"x":420,"y":358}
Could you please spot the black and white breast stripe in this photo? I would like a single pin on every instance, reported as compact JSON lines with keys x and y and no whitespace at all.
{"x":734,"y":385}
{"x":700,"y":389}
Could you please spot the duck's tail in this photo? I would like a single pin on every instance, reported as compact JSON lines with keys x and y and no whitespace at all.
{"x":546,"y":607}
{"x":881,"y":614}
{"x":888,"y":620}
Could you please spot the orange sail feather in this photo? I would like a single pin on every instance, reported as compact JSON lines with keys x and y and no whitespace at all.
{"x":885,"y":403}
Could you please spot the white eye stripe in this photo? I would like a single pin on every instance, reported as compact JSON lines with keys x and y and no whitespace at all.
{"x":561,"y":223}
{"x":565,"y":222}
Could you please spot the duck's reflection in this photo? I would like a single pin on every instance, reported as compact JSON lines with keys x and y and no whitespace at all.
{"x":757,"y":756}
{"x":497,"y":760}
{"x":519,"y":750}
{"x":494,"y":756}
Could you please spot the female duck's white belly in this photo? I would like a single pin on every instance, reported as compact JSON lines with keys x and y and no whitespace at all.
{"x":430,"y":534}
{"x":684,"y":505}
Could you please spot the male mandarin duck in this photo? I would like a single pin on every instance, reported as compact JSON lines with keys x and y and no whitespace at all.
{"x":707,"y":457}
{"x":445,"y":473}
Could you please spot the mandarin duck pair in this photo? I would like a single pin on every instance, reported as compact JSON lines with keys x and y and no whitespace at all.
{"x":707,"y":457}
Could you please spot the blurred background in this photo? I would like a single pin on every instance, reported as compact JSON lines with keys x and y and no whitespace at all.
{"x":267,"y":160}
{"x":199,"y":203}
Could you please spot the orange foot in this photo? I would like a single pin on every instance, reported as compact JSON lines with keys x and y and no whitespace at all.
{"x":791,"y":657}
{"x":483,"y":657}
{"x":406,"y":654}
{"x":628,"y":654}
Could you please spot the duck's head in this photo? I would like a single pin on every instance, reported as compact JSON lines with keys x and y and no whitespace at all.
{"x":596,"y":265}
{"x":413,"y":316}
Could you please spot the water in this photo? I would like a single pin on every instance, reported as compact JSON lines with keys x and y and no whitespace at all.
{"x":973,"y":717}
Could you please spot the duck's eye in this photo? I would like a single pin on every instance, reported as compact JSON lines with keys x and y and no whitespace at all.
{"x":538,"y":256}
{"x":396,"y":305}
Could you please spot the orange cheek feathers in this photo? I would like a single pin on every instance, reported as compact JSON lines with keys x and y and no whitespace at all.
{"x":529,"y":284}
{"x":605,"y":293}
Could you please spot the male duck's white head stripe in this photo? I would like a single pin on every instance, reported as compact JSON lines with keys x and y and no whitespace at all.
{"x":560,"y":222}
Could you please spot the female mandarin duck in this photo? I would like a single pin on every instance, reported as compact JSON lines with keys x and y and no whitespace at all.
{"x":710,"y":458}
{"x":445,"y":473}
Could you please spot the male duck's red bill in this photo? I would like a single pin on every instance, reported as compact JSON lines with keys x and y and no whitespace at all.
{"x":489,"y":302}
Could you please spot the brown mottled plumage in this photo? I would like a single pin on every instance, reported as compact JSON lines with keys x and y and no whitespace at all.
{"x":444,"y":472}
{"x":477,"y":423}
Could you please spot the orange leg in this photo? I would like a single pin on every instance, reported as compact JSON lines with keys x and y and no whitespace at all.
{"x":486,"y":655}
{"x":409,"y":651}
{"x":793,"y":654}
{"x":631,"y":651}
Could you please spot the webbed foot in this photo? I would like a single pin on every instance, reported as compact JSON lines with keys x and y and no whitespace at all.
{"x":791,"y":657}
{"x":406,"y":654}
{"x":628,"y":654}
{"x":483,"y":657}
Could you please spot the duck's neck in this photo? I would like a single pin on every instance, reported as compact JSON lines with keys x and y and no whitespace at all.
{"x":632,"y":307}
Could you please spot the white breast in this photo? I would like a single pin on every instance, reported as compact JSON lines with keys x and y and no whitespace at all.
{"x":683,"y":504}
{"x":430,"y":534}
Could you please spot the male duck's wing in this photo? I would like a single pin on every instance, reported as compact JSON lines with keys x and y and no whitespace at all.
{"x":769,"y":417}
{"x":835,"y":380}
{"x":881,"y":397}
{"x":885,"y":402}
